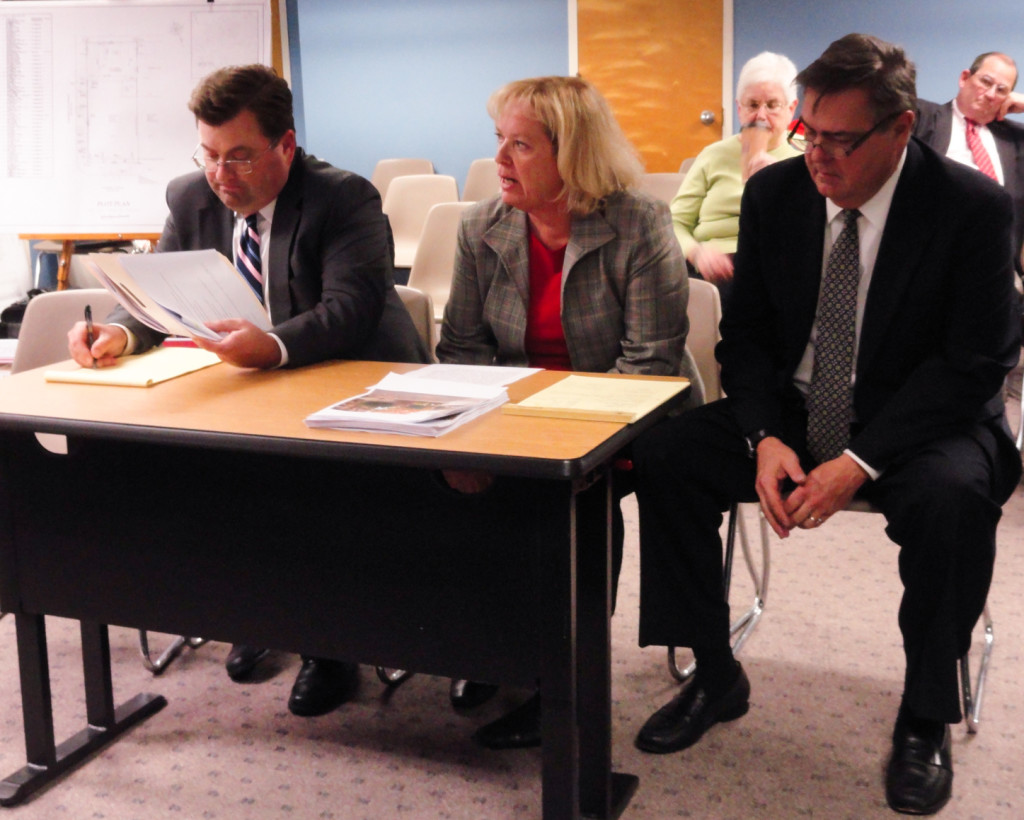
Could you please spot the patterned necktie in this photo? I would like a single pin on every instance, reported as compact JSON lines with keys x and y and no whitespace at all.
{"x":830,"y":396}
{"x":978,"y":152}
{"x":248,"y":262}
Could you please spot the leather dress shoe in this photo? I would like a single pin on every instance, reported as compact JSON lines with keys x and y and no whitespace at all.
{"x":466,"y":694}
{"x":242,"y":660}
{"x":919,"y":776}
{"x":322,"y":686}
{"x":683,"y":720}
{"x":519,"y":729}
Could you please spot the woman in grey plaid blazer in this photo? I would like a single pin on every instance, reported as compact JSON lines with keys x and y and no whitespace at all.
{"x":568,"y":268}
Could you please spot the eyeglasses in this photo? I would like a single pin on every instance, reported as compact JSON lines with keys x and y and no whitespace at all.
{"x":989,"y":84}
{"x":753,"y":106}
{"x":833,"y":145}
{"x":237,"y":166}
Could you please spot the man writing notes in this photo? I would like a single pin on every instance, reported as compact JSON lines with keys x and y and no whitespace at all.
{"x":870,"y":329}
{"x":315,"y":246}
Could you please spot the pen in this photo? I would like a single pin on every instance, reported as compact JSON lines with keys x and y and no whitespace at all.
{"x":89,"y":336}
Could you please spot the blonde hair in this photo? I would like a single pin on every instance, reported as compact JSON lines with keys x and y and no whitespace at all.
{"x":595,"y":159}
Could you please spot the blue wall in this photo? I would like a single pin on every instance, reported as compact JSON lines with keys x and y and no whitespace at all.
{"x":942,"y":37}
{"x":411,"y":78}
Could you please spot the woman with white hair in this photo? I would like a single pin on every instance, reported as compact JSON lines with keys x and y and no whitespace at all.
{"x":706,"y":211}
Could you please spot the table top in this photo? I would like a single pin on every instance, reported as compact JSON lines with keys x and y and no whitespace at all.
{"x":263,"y":411}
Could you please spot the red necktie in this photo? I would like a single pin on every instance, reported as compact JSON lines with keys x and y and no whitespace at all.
{"x":981,"y":157}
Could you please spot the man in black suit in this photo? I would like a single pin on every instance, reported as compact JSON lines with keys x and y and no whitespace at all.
{"x":985,"y":95}
{"x":916,"y":424}
{"x":325,"y":248}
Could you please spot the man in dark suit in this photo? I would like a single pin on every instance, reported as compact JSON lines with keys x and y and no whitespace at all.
{"x":984,"y":97}
{"x":325,"y":247}
{"x":890,"y":388}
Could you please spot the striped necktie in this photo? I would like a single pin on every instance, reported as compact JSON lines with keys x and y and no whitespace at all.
{"x":978,"y":152}
{"x":248,"y":258}
{"x":830,"y":395}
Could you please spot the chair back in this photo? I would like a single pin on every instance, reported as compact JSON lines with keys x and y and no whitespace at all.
{"x":408,"y":201}
{"x":684,"y":166}
{"x":662,"y":186}
{"x":434,"y":263}
{"x":422,"y":312}
{"x":387,"y":169}
{"x":481,"y":180}
{"x":43,"y":338}
{"x":704,"y":310}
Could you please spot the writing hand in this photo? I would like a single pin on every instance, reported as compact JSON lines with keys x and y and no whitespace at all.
{"x":109,"y":342}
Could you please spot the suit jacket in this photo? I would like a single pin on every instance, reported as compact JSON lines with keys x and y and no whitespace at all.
{"x":624,"y":290}
{"x":939,"y":331}
{"x":331,"y":287}
{"x":933,"y":126}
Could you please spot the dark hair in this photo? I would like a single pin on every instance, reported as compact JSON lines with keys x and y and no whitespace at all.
{"x":1006,"y":58}
{"x":227,"y":92}
{"x":862,"y":61}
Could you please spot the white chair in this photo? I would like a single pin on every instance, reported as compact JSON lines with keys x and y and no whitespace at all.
{"x":434,"y":263}
{"x":684,"y":166}
{"x":387,"y":169}
{"x":481,"y":180}
{"x":421,"y":309}
{"x":43,"y":340}
{"x":704,"y":312}
{"x":663,"y":186}
{"x":407,"y":203}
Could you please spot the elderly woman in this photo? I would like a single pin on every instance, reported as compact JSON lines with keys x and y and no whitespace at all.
{"x":566,"y":269}
{"x":706,"y":211}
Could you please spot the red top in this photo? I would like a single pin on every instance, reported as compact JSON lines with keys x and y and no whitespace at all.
{"x":545,"y":340}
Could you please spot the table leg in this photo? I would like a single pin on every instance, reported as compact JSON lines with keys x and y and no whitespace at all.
{"x":46,"y":762}
{"x":67,"y":250}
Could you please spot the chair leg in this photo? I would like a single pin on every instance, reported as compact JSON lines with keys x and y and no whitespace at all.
{"x":392,"y":677}
{"x":972,"y":699}
{"x":744,"y":625}
{"x":169,"y":654}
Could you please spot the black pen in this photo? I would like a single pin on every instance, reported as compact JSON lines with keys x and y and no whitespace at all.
{"x":89,"y":337}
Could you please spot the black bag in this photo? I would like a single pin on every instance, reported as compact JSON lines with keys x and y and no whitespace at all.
{"x":11,"y":316}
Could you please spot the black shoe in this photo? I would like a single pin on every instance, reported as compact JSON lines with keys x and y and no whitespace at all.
{"x":919,"y":776}
{"x":466,"y":694}
{"x":322,"y":686}
{"x":242,"y":660}
{"x":683,"y":720}
{"x":519,"y":729}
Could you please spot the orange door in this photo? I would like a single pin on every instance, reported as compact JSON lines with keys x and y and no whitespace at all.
{"x":659,"y":64}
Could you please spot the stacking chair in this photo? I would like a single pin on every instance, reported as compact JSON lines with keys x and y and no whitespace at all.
{"x":684,"y":166}
{"x":662,"y":186}
{"x":421,"y":309}
{"x":481,"y":180}
{"x":408,"y":200}
{"x":705,"y":312}
{"x":42,"y":340}
{"x":434,"y":262}
{"x":387,"y":169}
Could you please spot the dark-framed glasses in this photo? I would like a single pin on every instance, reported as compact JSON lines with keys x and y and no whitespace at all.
{"x":237,"y":166}
{"x":833,"y":145}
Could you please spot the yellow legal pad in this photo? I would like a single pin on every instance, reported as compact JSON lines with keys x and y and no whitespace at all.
{"x":593,"y":398}
{"x":144,"y":370}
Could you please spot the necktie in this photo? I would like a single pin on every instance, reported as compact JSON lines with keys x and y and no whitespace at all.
{"x":830,"y":396}
{"x":249,"y":264}
{"x":981,"y":157}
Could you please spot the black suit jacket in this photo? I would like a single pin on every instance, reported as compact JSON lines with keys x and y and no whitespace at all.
{"x":933,"y":126}
{"x":331,"y":292}
{"x":939,"y":332}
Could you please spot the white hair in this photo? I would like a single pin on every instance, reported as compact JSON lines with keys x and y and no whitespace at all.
{"x":768,"y":67}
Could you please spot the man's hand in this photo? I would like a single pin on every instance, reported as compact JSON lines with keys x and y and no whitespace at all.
{"x":775,"y":464}
{"x":244,"y":346}
{"x":1013,"y":104}
{"x":712,"y":264}
{"x":109,"y":342}
{"x":828,"y":489}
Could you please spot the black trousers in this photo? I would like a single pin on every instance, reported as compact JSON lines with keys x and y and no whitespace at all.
{"x":941,"y":504}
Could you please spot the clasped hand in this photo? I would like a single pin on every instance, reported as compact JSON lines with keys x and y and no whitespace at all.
{"x":818,"y":494}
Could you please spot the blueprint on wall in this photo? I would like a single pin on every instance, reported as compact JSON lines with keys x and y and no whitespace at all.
{"x":93,"y":112}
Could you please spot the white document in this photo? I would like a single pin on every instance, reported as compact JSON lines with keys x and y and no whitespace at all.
{"x":475,"y":373}
{"x":178,"y":292}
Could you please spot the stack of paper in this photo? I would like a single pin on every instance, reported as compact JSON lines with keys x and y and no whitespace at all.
{"x":411,"y":406}
{"x":594,"y":398}
{"x":158,"y":365}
